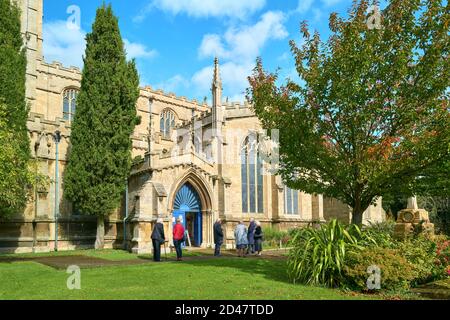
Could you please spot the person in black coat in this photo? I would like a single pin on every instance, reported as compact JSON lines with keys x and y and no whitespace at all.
{"x":251,"y":236}
{"x":259,"y":238}
{"x":158,"y":239}
{"x":218,"y":237}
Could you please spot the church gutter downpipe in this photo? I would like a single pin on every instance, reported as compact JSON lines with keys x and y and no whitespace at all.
{"x":125,"y":219}
{"x":57,"y":137}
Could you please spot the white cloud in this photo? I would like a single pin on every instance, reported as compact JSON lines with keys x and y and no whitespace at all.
{"x":245,"y":42}
{"x":63,"y":44}
{"x":304,"y":5}
{"x":238,"y":48}
{"x":329,"y":3}
{"x":234,"y":77}
{"x":66,"y":44}
{"x":137,"y":50}
{"x":173,"y":84}
{"x":204,"y":8}
{"x":212,"y":46}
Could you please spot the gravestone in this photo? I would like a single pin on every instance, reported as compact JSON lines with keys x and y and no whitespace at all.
{"x":410,"y":218}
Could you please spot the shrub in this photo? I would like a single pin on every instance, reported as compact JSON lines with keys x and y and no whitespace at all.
{"x":273,"y":237}
{"x":382,"y":233}
{"x":427,"y":255}
{"x":396,"y":271}
{"x":443,"y":258}
{"x":318,"y":255}
{"x":421,"y":253}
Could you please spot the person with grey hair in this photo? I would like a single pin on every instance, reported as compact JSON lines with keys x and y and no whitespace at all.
{"x":158,"y":239}
{"x":240,"y":236}
{"x":218,"y":237}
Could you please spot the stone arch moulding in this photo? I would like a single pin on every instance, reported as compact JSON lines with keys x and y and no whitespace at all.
{"x":201,"y":186}
{"x":70,"y":87}
{"x":169,"y":109}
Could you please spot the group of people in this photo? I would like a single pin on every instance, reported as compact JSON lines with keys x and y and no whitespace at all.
{"x":248,"y":240}
{"x":158,"y":239}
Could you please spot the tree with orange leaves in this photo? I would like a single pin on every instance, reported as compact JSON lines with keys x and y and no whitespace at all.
{"x":372,"y":110}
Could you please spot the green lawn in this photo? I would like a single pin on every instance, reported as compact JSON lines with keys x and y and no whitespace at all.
{"x":112,"y":255}
{"x":223,"y":278}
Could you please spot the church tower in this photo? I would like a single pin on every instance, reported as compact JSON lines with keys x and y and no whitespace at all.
{"x":31,"y":28}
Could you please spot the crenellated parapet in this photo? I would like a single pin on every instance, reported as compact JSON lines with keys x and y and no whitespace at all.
{"x":172,"y":99}
{"x":238,"y":110}
{"x":57,"y":69}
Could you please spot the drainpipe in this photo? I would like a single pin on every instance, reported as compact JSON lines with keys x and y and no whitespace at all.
{"x":57,"y":137}
{"x":125,"y":219}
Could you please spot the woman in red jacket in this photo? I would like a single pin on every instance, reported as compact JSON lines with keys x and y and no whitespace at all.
{"x":178,"y":239}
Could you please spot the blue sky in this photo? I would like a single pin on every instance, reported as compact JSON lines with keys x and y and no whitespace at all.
{"x":174,"y":41}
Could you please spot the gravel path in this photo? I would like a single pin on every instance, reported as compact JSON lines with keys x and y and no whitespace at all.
{"x":82,"y":261}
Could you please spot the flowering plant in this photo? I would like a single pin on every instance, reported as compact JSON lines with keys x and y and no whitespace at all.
{"x":443,"y":255}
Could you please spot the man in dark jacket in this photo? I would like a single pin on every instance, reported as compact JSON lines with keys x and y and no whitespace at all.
{"x":158,"y":239}
{"x":251,"y":236}
{"x":218,"y":237}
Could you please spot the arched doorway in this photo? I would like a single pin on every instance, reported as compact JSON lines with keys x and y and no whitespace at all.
{"x":187,"y":207}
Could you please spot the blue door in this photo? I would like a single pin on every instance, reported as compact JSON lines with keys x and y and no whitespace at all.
{"x":187,"y":201}
{"x":198,"y":227}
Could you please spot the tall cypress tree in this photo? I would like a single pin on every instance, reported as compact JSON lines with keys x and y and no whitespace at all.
{"x":14,"y":139}
{"x":100,"y":158}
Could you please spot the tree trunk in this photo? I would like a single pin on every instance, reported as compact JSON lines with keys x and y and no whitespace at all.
{"x":100,"y":240}
{"x":357,"y":214}
{"x":357,"y":218}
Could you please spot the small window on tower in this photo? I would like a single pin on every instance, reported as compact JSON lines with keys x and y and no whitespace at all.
{"x":167,"y":123}
{"x":69,"y":104}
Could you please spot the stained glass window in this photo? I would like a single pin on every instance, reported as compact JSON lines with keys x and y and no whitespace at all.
{"x":252,"y":176}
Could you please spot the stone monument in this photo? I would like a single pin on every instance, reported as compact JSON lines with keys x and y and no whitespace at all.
{"x":410,"y":218}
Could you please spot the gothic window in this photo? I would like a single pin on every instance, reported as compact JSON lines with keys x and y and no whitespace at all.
{"x":291,"y":201}
{"x":167,"y":123}
{"x":252,"y":176}
{"x":69,"y":104}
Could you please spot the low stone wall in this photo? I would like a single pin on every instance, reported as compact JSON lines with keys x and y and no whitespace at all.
{"x":38,"y":235}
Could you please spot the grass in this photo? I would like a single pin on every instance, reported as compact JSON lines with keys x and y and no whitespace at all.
{"x":112,"y":255}
{"x":436,"y":290}
{"x":221,"y":278}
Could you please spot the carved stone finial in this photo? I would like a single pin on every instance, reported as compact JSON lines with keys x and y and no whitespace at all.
{"x":412,"y":203}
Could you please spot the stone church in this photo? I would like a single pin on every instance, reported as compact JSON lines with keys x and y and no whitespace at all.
{"x":193,"y":161}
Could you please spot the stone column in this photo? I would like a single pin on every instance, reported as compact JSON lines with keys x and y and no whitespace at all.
{"x":412,"y":203}
{"x":317,"y":208}
{"x":142,"y":225}
{"x":306,"y":206}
